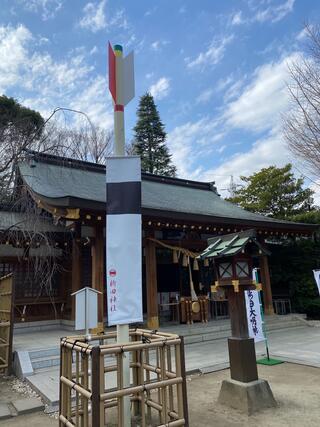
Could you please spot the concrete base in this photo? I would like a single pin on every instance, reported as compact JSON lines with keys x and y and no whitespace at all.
{"x":22,"y":366}
{"x":247,"y":397}
{"x":27,"y":406}
{"x":5,"y":412}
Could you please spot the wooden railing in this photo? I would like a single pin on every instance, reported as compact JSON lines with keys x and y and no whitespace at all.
{"x":91,"y":381}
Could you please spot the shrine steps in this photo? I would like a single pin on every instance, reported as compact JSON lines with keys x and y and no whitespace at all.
{"x":48,"y":356}
{"x":215,"y":330}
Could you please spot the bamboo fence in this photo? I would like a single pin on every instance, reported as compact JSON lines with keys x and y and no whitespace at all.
{"x":91,"y":381}
{"x":6,"y":323}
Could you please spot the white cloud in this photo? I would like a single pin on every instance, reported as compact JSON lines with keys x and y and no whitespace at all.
{"x":13,"y":42}
{"x":47,"y":8}
{"x":41,"y":82}
{"x":221,"y":149}
{"x":257,"y":107}
{"x":161,"y":88}
{"x":262,"y":101}
{"x":302,"y":35}
{"x":150,"y":11}
{"x":158,"y":44}
{"x":94,"y":18}
{"x":270,"y":150}
{"x":205,"y":96}
{"x":274,"y":13}
{"x":94,"y":50}
{"x":237,"y":18}
{"x":93,"y":101}
{"x":213,"y":55}
{"x":191,"y":141}
{"x":234,"y":90}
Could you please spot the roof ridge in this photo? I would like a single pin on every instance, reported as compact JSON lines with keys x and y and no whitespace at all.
{"x":96,"y":167}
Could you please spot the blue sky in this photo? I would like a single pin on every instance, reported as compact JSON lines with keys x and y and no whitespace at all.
{"x":217,"y":69}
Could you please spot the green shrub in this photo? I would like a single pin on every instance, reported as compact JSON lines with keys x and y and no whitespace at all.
{"x":313,"y":310}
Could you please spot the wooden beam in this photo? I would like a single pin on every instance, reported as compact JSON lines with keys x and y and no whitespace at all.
{"x":98,"y":269}
{"x":151,"y":285}
{"x":266,"y":285}
{"x":76,"y":266}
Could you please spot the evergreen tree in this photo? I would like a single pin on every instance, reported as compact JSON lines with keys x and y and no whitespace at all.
{"x":150,"y":139}
{"x":274,"y":192}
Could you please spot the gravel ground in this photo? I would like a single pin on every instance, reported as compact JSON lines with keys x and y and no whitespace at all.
{"x":295,"y":387}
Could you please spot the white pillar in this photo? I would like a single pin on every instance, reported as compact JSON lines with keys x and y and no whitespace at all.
{"x":119,"y":150}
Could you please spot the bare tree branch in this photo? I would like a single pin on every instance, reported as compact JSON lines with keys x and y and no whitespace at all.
{"x":301,"y":125}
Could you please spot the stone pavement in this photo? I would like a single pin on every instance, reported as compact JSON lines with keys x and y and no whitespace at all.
{"x":20,"y":407}
{"x":300,"y":345}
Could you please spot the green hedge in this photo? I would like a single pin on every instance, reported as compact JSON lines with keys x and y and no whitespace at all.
{"x":291,"y":268}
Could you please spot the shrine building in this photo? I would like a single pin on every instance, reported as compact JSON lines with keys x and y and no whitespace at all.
{"x":178,"y":217}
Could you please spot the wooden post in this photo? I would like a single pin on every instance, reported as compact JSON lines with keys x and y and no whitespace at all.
{"x":184,"y":383}
{"x":76,"y":266}
{"x":98,"y":269}
{"x":238,"y":315}
{"x":266,"y":285}
{"x":151,"y":285}
{"x":242,"y":354}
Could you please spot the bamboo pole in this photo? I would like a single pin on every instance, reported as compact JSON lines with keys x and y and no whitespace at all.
{"x":159,"y":389}
{"x":85,"y":401}
{"x":97,"y":386}
{"x":130,"y":390}
{"x":72,"y":385}
{"x":61,"y":385}
{"x":176,"y":423}
{"x":179,"y":385}
{"x":169,"y":370}
{"x":184,"y":382}
{"x":164,"y":377}
{"x":147,"y":359}
{"x":65,"y":421}
{"x":142,"y":394}
{"x":77,"y":393}
{"x":120,"y":388}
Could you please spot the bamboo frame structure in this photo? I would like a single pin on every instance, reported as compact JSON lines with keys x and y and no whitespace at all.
{"x":91,"y":382}
{"x":6,"y":323}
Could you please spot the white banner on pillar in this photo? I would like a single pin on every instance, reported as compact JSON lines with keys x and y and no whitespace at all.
{"x":255,"y":324}
{"x":316,"y":274}
{"x":123,"y":240}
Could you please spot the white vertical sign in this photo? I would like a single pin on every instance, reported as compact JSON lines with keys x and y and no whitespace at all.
{"x":254,"y":317}
{"x":316,"y":274}
{"x":123,"y":240}
{"x":86,"y":308}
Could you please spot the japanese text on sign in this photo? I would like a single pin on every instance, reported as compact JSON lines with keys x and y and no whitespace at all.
{"x":254,"y":317}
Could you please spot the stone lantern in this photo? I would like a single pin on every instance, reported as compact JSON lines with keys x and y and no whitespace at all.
{"x":232,"y":258}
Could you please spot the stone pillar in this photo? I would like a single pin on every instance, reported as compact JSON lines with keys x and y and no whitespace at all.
{"x":266,"y":285}
{"x":151,"y":285}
